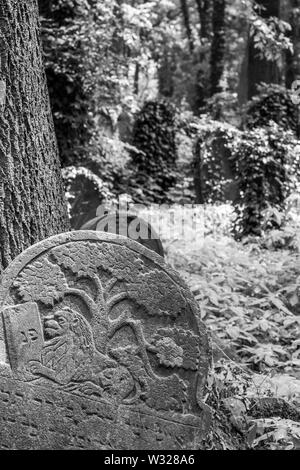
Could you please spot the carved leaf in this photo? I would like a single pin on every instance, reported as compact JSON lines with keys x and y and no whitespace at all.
{"x":41,"y":281}
{"x":160,"y":296}
{"x":86,"y":258}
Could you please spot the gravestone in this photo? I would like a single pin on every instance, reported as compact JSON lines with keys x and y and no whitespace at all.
{"x":214,"y":170}
{"x":128,"y":225}
{"x":85,"y":191}
{"x":101,"y":347}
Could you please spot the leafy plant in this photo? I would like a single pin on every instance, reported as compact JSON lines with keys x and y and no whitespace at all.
{"x":214,"y":167}
{"x":267,"y":171}
{"x":273,"y":103}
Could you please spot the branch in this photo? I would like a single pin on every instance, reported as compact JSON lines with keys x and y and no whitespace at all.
{"x":99,"y":318}
{"x":100,"y":302}
{"x":100,"y":294}
{"x":110,"y":285}
{"x":187,"y":23}
{"x":136,"y":326}
{"x":115,"y":300}
{"x":86,"y":298}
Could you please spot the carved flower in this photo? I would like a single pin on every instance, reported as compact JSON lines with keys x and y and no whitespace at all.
{"x":168,"y":341}
{"x":168,"y":352}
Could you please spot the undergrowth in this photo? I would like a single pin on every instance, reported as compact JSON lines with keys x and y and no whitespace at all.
{"x":249,"y":298}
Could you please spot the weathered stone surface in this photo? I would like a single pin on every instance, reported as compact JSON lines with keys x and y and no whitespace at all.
{"x":128,"y":225}
{"x":100,"y":348}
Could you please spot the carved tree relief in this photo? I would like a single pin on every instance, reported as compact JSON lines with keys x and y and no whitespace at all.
{"x":106,"y":319}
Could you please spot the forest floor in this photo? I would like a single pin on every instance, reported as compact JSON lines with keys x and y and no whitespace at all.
{"x":249,"y":299}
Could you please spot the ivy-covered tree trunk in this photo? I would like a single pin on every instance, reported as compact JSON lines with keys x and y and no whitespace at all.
{"x":261,"y":70}
{"x":32,"y":205}
{"x":68,"y":100}
{"x":218,"y":46}
{"x":291,"y":8}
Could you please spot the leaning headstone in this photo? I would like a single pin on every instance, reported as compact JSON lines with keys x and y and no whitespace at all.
{"x":127,"y":225}
{"x":101,"y":347}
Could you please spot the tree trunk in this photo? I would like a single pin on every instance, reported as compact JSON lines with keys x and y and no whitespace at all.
{"x":205,"y":11}
{"x":261,"y":70}
{"x":292,"y":15}
{"x":243,"y":85}
{"x":45,"y":7}
{"x":32,"y":205}
{"x":218,"y":46}
{"x":205,"y":16}
{"x":166,"y":73}
{"x":187,"y":24}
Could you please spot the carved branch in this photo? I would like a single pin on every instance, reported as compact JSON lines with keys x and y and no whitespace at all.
{"x":110,"y":285}
{"x":136,"y":326}
{"x":135,"y":398}
{"x":86,"y":299}
{"x":98,"y":285}
{"x":116,"y":299}
{"x":100,"y":294}
{"x":99,"y":318}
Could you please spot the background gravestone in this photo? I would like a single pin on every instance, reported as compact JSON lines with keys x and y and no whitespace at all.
{"x":128,"y":225}
{"x":101,"y":347}
{"x":214,"y":170}
{"x":154,"y":163}
{"x":85,"y":192}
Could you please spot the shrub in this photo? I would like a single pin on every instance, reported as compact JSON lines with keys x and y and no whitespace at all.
{"x":273,"y":103}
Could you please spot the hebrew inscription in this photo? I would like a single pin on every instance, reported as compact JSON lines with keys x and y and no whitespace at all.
{"x":24,"y":332}
{"x":101,"y":347}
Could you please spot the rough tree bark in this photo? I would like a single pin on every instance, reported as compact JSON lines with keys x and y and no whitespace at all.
{"x":32,"y":205}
